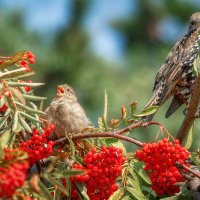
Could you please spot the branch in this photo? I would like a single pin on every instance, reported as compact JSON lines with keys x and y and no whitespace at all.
{"x":190,"y":117}
{"x":194,"y":182}
{"x":115,"y":134}
{"x":195,"y":173}
{"x":99,"y":134}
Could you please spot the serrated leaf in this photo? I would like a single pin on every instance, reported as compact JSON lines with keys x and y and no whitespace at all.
{"x":81,"y":191}
{"x":138,"y":169}
{"x":5,"y":137}
{"x":133,"y":183}
{"x":120,"y":145}
{"x":136,"y":193}
{"x":147,"y":111}
{"x":117,"y":195}
{"x":44,"y":190}
{"x":15,"y":121}
{"x":56,"y":183}
{"x":24,"y":84}
{"x":34,"y":98}
{"x":12,"y":74}
{"x":25,"y":74}
{"x":11,"y":141}
{"x":189,"y":140}
{"x":195,"y":158}
{"x":24,"y":124}
{"x":4,"y":118}
{"x":126,"y":198}
{"x":16,"y":93}
{"x":29,"y":117}
{"x":71,"y":144}
{"x":29,"y":109}
{"x":105,"y":114}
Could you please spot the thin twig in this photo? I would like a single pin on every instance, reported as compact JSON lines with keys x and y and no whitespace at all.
{"x":99,"y":134}
{"x":179,"y":165}
{"x":115,"y":134}
{"x":192,"y":109}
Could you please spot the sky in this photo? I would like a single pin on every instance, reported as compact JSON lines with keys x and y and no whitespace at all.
{"x":47,"y":16}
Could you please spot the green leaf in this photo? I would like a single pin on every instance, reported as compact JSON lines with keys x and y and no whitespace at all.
{"x":24,"y":84}
{"x":5,"y":137}
{"x":12,"y":74}
{"x":81,"y":191}
{"x":29,"y":109}
{"x":15,"y":121}
{"x":117,"y":195}
{"x":24,"y":124}
{"x":56,"y":183}
{"x":147,"y":111}
{"x":4,"y":118}
{"x":44,"y":190}
{"x":120,"y":145}
{"x":16,"y":93}
{"x":195,"y":158}
{"x":136,"y":193}
{"x":189,"y":140}
{"x":30,"y":117}
{"x":34,"y":98}
{"x":126,"y":198}
{"x":105,"y":114}
{"x":138,"y":169}
{"x":71,"y":144}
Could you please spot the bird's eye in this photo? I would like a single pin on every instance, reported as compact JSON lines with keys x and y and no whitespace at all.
{"x":192,"y":22}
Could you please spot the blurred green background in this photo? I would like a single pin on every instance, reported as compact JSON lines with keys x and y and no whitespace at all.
{"x":96,"y":44}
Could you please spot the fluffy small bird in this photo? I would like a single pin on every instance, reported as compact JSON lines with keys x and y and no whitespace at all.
{"x":66,"y":112}
{"x":176,"y":76}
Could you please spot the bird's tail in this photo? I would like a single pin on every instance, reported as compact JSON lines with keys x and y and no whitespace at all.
{"x":175,"y":105}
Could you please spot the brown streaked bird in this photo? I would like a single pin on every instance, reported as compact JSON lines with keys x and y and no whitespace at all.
{"x":66,"y":112}
{"x":176,"y":76}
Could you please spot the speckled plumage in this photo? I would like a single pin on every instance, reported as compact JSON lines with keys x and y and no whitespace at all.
{"x":176,"y":77}
{"x":67,"y":114}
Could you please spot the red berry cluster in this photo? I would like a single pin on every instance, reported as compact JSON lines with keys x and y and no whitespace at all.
{"x":12,"y":176}
{"x":160,"y":159}
{"x":28,"y":57}
{"x":38,"y":147}
{"x":103,"y":167}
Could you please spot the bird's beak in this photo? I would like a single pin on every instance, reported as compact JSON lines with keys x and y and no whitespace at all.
{"x":60,"y":91}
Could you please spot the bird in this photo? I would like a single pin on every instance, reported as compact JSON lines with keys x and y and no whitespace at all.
{"x":176,"y":76}
{"x":66,"y":113}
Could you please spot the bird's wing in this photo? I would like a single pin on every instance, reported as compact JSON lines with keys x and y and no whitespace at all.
{"x":179,"y":60}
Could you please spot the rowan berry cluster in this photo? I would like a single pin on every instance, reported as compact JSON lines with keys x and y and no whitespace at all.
{"x":12,"y":175}
{"x":102,"y":167}
{"x":28,"y":58}
{"x":160,"y":159}
{"x":38,"y":147}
